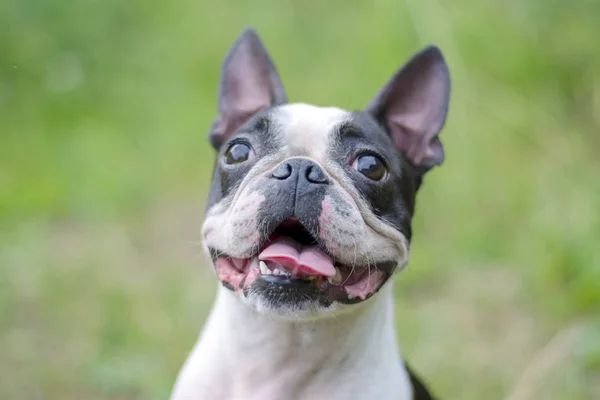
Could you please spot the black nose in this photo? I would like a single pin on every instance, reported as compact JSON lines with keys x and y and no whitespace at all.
{"x":304,"y":168}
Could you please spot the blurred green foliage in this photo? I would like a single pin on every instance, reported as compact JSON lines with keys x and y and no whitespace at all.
{"x":104,"y":165}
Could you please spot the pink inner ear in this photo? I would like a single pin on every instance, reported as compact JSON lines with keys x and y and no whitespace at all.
{"x":413,"y":105}
{"x":420,"y":146}
{"x":246,"y":87}
{"x":244,"y":98}
{"x":246,"y":90}
{"x":429,"y":154}
{"x":249,"y":83}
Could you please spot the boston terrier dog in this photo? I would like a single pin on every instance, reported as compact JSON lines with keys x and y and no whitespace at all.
{"x":308,"y":218}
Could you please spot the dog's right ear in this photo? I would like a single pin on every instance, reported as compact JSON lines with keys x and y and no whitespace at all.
{"x":413,"y":107}
{"x":248,"y":84}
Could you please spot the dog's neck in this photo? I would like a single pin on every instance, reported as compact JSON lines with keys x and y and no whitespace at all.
{"x":244,"y":354}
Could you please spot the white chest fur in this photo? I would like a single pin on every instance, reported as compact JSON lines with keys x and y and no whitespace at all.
{"x":245,"y":355}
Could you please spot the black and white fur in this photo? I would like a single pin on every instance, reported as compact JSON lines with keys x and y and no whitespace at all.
{"x":266,"y":340}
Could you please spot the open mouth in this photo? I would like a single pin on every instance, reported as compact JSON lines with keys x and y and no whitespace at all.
{"x":292,"y":257}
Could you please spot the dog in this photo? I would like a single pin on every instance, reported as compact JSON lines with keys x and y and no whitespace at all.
{"x":308,"y":217}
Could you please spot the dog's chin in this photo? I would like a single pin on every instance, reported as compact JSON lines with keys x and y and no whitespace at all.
{"x":288,"y":304}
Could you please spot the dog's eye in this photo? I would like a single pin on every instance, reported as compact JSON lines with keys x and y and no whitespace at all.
{"x":370,"y":166}
{"x":238,"y":153}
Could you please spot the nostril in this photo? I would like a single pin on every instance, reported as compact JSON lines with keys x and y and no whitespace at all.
{"x":283,"y":171}
{"x":314,"y":174}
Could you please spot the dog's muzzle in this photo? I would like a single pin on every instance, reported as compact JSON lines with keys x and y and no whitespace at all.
{"x":292,"y":253}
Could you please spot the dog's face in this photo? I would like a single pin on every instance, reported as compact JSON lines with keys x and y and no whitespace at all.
{"x":310,"y":208}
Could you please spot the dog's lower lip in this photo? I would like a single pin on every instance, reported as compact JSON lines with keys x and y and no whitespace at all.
{"x":285,"y":280}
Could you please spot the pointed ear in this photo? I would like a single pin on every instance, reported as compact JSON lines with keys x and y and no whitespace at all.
{"x":413,"y":105}
{"x":248,"y":84}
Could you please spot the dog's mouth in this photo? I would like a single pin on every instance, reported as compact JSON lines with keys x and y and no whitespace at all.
{"x":292,"y":257}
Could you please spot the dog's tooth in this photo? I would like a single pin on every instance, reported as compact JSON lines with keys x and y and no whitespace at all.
{"x":336,"y":279}
{"x":264,"y":269}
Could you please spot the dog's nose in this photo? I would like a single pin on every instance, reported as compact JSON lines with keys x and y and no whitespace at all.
{"x":303,"y":168}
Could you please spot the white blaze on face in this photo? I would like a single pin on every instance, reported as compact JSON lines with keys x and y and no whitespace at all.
{"x":309,"y":128}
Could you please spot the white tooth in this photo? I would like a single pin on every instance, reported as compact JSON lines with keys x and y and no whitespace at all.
{"x":277,"y":271}
{"x":264,"y":269}
{"x":336,"y":279}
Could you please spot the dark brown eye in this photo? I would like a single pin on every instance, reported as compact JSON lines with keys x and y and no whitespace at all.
{"x":238,"y":153}
{"x":370,"y":166}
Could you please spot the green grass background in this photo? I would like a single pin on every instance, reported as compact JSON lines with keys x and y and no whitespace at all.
{"x":104,"y":167}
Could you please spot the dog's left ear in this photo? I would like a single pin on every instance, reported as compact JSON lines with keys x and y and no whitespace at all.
{"x":413,"y":106}
{"x":249,"y":83}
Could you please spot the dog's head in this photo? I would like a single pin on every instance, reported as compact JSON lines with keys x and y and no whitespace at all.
{"x":310,"y":208}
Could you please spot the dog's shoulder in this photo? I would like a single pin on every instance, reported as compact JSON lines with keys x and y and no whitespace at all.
{"x":420,"y":392}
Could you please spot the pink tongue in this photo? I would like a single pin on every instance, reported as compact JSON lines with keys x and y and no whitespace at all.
{"x":298,"y":259}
